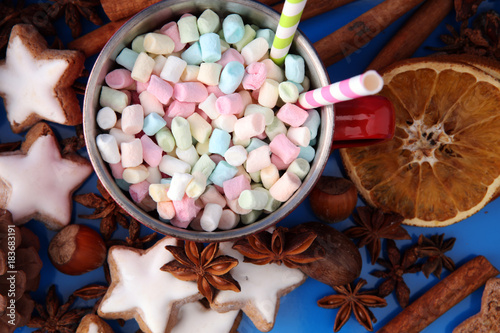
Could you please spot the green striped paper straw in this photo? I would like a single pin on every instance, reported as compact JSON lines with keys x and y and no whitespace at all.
{"x":289,"y":21}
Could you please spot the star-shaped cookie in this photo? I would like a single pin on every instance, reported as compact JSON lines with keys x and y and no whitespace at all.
{"x":261,"y":289}
{"x":35,"y":82}
{"x":140,"y":290}
{"x":37,"y":182}
{"x":488,"y":319}
{"x":195,"y":317}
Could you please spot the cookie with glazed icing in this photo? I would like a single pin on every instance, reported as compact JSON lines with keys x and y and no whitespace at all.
{"x":35,"y":81}
{"x":37,"y":182}
{"x":91,"y":323}
{"x":140,"y":290}
{"x":196,"y":317}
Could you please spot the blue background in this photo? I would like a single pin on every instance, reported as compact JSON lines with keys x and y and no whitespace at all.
{"x":477,"y":235}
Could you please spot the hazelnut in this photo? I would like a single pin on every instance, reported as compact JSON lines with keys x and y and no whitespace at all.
{"x":77,"y":249}
{"x":333,"y":199}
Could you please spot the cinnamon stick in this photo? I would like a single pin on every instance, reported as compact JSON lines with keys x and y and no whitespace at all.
{"x":117,"y":10}
{"x":315,"y":8}
{"x":442,"y":297}
{"x":409,"y":38}
{"x":360,"y":31}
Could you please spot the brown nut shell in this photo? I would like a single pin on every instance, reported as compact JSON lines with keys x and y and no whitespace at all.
{"x":333,"y":199}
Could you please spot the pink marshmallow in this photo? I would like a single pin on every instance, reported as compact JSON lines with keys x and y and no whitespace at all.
{"x":131,"y":153}
{"x":234,"y":186}
{"x":285,"y":187}
{"x":255,"y":94}
{"x":132,"y":119}
{"x":250,"y":126}
{"x":141,"y":86}
{"x":117,"y":170}
{"x":160,"y":88}
{"x":166,"y":209}
{"x":169,"y":121}
{"x":138,"y":192}
{"x":185,"y":211}
{"x":215,"y":90}
{"x":180,"y":109}
{"x":190,"y":92}
{"x":134,"y":97}
{"x":172,"y":30}
{"x":255,"y":75}
{"x":258,"y":159}
{"x":203,"y":114}
{"x":278,"y":162}
{"x":229,"y":104}
{"x":212,"y":195}
{"x":151,"y":152}
{"x":284,"y":148}
{"x":292,"y":115}
{"x":231,"y":55}
{"x":261,"y":136}
{"x":119,"y":79}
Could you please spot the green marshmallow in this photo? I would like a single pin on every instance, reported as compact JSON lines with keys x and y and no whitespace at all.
{"x":275,"y":128}
{"x":204,"y":165}
{"x":208,"y":21}
{"x":299,"y":167}
{"x":115,"y":99}
{"x":248,"y":36}
{"x":182,"y":132}
{"x":165,"y":140}
{"x":250,"y":217}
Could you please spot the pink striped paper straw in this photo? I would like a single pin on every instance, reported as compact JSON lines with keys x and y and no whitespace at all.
{"x":365,"y":84}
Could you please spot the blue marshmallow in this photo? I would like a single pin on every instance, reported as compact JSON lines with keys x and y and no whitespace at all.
{"x":312,"y":122}
{"x":210,"y":47}
{"x":233,"y":28}
{"x":231,"y":76}
{"x":165,"y":180}
{"x":222,"y":172}
{"x":192,"y":55}
{"x":307,"y":153}
{"x":219,"y":142}
{"x":254,"y":144}
{"x":295,"y":68}
{"x":127,"y":58}
{"x":298,"y":85}
{"x":267,"y":34}
{"x":122,"y":184}
{"x":153,"y":123}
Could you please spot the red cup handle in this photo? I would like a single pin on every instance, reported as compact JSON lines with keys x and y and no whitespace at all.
{"x":363,"y":121}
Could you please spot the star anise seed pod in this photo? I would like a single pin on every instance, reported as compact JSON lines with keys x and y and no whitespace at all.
{"x":195,"y":263}
{"x":73,"y":10}
{"x":374,"y":224}
{"x":90,"y":292}
{"x":433,"y":249}
{"x":397,"y":266}
{"x":466,"y":8}
{"x":350,"y":299}
{"x":279,"y":247}
{"x":133,"y":240}
{"x":9,"y":146}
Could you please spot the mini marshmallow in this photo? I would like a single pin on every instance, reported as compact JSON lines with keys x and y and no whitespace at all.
{"x":141,"y":86}
{"x":288,"y":92}
{"x":234,"y":186}
{"x":292,"y":115}
{"x":152,"y":153}
{"x":154,"y":176}
{"x":165,"y":140}
{"x":120,"y":136}
{"x":300,"y":136}
{"x":268,"y":93}
{"x":197,"y":185}
{"x":158,"y":43}
{"x":269,"y":175}
{"x":171,"y":30}
{"x":242,"y":142}
{"x":215,"y":90}
{"x":254,"y":144}
{"x":117,"y":170}
{"x":211,"y":195}
{"x":284,"y":148}
{"x":225,"y":122}
{"x":161,"y":89}
{"x":255,"y":50}
{"x":299,"y":167}
{"x":231,"y":55}
{"x":190,"y":73}
{"x":253,"y":199}
{"x":115,"y":99}
{"x":132,"y":119}
{"x":192,"y":55}
{"x":153,"y":123}
{"x":246,"y":97}
{"x":312,"y":122}
{"x":173,"y":69}
{"x":190,"y":155}
{"x":185,"y":211}
{"x":231,"y":76}
{"x":188,"y":29}
{"x":278,"y":162}
{"x":222,"y":172}
{"x":284,"y":188}
{"x":228,"y":220}
{"x":127,"y":58}
{"x":190,"y":92}
{"x":210,"y":47}
{"x":122,"y":184}
{"x":266,"y":112}
{"x":219,"y":141}
{"x":267,"y":34}
{"x":180,"y":109}
{"x":233,"y":28}
{"x":295,"y":68}
{"x":143,"y":67}
{"x":274,"y":72}
{"x":131,"y":153}
{"x":255,"y":75}
{"x":108,"y":147}
{"x":235,"y":207}
{"x":181,"y":132}
{"x":250,"y":217}
{"x":138,"y":192}
{"x":250,"y":126}
{"x":200,"y":128}
{"x":166,"y":210}
{"x":307,"y":153}
{"x":211,"y":217}
{"x":275,"y":128}
{"x":178,"y":185}
{"x":160,"y":61}
{"x":208,"y":106}
{"x":135,"y":175}
{"x":204,"y":165}
{"x":202,"y":148}
{"x":248,"y":36}
{"x":229,"y":104}
{"x":236,"y":155}
{"x":150,"y":103}
{"x":306,"y":84}
{"x":170,"y":165}
{"x":258,"y":159}
{"x":208,"y":21}
{"x":119,"y":79}
{"x":138,"y":44}
{"x":209,"y":73}
{"x":106,"y":118}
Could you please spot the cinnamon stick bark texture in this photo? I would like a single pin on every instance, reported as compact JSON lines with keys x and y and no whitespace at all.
{"x":117,"y":10}
{"x":315,"y":7}
{"x":409,"y":38}
{"x":360,"y":31}
{"x":442,"y":297}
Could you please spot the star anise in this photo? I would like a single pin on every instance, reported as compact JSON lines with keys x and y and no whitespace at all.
{"x":73,"y":10}
{"x":433,"y":249}
{"x":91,"y":292}
{"x":73,"y":144}
{"x":195,"y":263}
{"x":282,"y":246}
{"x":54,"y":318}
{"x":374,"y":224}
{"x":9,"y":146}
{"x":396,"y":267}
{"x":133,"y":239}
{"x":350,"y":299}
{"x":466,"y":8}
{"x":106,"y":209}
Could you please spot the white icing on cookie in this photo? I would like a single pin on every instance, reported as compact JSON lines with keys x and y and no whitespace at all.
{"x":194,"y":317}
{"x":41,"y":182}
{"x":93,"y":328}
{"x":260,"y":286}
{"x":28,"y":84}
{"x":138,"y":285}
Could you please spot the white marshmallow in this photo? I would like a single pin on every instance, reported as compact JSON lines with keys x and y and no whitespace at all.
{"x":228,"y":220}
{"x":211,"y":217}
{"x":208,"y":106}
{"x":300,"y":136}
{"x":132,"y":119}
{"x":236,"y":155}
{"x":225,"y":122}
{"x":170,"y":165}
{"x":190,"y":155}
{"x":108,"y":147}
{"x":131,"y":153}
{"x":173,"y":69}
{"x":106,"y":118}
{"x":178,"y":185}
{"x":255,"y":50}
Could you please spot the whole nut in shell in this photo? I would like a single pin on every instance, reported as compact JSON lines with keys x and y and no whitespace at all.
{"x":333,"y":199}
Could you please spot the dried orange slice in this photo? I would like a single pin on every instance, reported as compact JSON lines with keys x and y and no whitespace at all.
{"x":443,"y":163}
